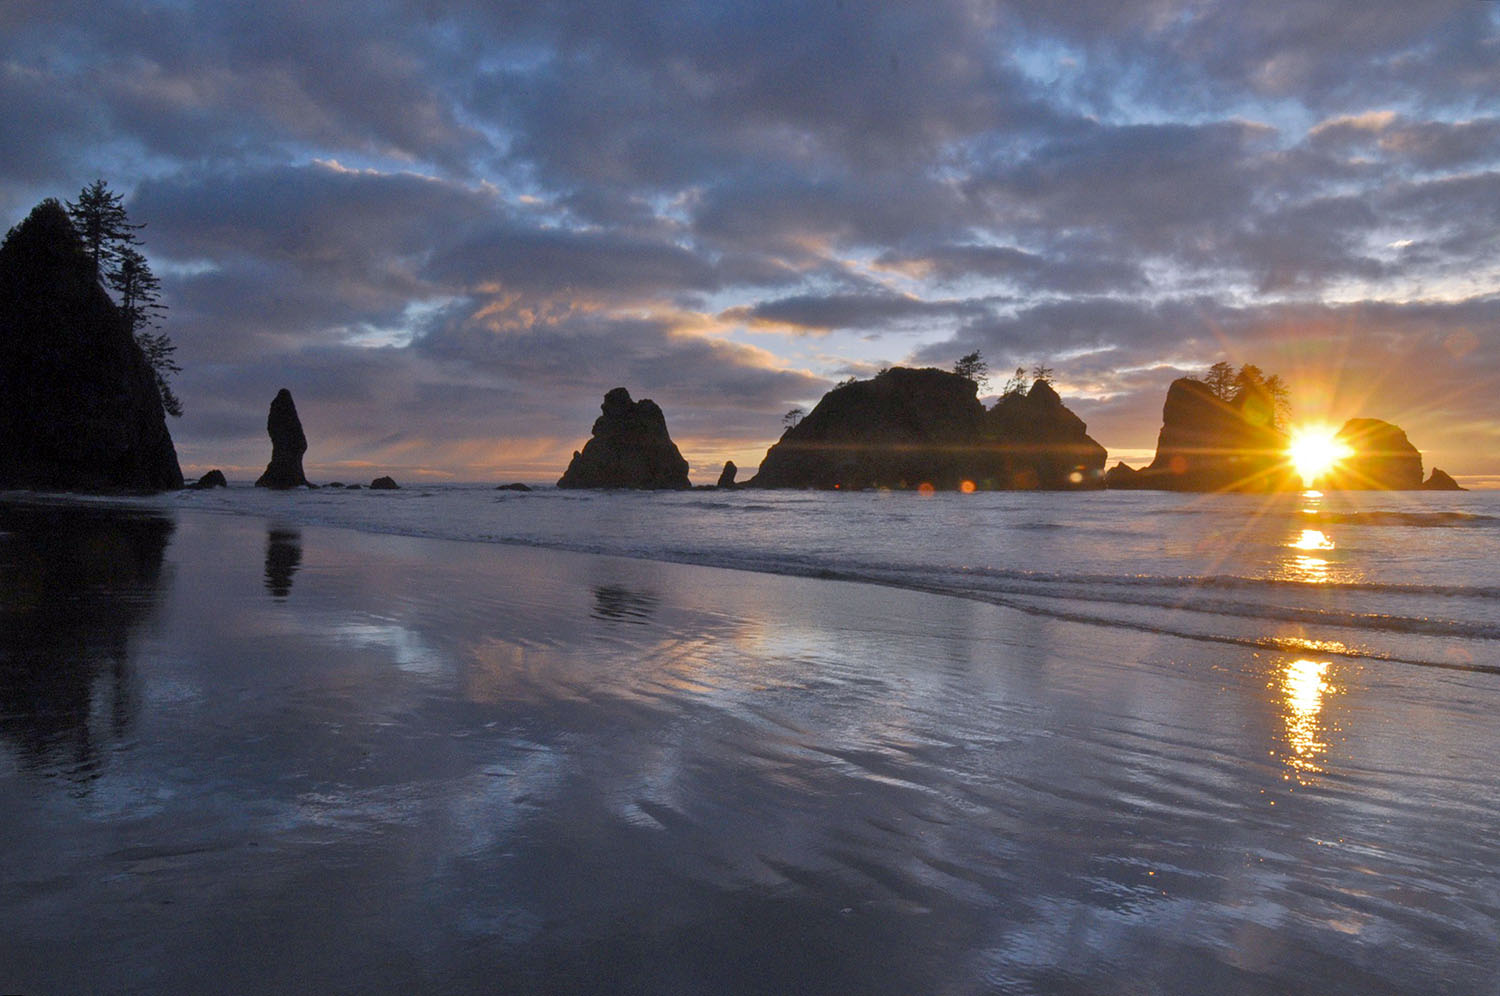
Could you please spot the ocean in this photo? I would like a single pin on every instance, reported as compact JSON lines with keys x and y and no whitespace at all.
{"x":1410,"y":577}
{"x":451,"y":739}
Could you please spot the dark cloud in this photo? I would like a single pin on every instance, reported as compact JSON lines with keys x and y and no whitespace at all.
{"x":867,"y":311}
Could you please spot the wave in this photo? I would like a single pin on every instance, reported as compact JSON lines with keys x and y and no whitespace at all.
{"x":1420,"y":520}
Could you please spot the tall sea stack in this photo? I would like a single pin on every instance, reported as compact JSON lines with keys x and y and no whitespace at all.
{"x":79,"y":405}
{"x":1207,"y":444}
{"x":630,"y":448}
{"x":287,"y":445}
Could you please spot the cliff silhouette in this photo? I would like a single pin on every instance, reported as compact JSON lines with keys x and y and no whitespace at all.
{"x":906,"y":428}
{"x":1209,"y":444}
{"x":81,"y":410}
{"x":630,"y":448}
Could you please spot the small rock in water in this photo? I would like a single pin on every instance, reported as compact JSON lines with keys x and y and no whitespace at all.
{"x":384,"y":484}
{"x":212,"y":479}
{"x":513,"y":487}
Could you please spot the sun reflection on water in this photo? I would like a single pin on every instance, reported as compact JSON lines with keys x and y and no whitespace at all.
{"x":1312,"y":539}
{"x":1304,"y":684}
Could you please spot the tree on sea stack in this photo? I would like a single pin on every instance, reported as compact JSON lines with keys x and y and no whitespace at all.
{"x":99,"y":215}
{"x":972,"y":366}
{"x":109,"y":236}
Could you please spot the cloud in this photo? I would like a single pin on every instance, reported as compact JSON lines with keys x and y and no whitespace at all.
{"x":501,"y":210}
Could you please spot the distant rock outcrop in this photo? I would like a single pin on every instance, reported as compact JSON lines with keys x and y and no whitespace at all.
{"x":212,"y":479}
{"x":910,"y":428}
{"x":1440,"y":481}
{"x":1121,"y":477}
{"x":1382,"y":459}
{"x":1208,"y":444}
{"x":513,"y":487}
{"x":630,"y":448}
{"x":287,"y":445}
{"x":79,"y":406}
{"x":384,"y":484}
{"x":1036,"y":442}
{"x":901,"y":429}
{"x":727,"y":475}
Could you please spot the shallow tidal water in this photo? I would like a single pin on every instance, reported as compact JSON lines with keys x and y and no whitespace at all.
{"x":257,"y":754}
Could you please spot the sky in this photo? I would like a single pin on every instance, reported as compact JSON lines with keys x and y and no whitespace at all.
{"x":449,"y":228}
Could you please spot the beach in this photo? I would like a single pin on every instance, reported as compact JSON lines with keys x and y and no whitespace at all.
{"x":242,"y":752}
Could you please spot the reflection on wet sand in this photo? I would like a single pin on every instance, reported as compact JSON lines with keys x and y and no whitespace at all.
{"x":1303,"y":687}
{"x":75,"y":583}
{"x":283,"y":557}
{"x":617,"y":602}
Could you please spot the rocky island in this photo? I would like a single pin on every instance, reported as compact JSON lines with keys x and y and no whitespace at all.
{"x":905,"y":428}
{"x":81,"y":411}
{"x":630,"y":448}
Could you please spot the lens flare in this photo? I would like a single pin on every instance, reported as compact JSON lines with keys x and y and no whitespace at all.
{"x":1315,"y":450}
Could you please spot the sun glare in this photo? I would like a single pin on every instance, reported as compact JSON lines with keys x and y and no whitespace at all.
{"x":1315,"y":450}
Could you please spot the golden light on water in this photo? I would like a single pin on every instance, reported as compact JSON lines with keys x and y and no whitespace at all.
{"x":1312,"y":539}
{"x":1315,"y":450}
{"x":1304,"y":684}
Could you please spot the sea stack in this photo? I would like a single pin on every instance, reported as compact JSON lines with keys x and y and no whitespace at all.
{"x":287,"y":445}
{"x":1382,"y":459}
{"x":1208,"y":444}
{"x":630,"y":448}
{"x":926,"y":428}
{"x":1034,"y":441}
{"x":727,"y":475}
{"x":81,"y":410}
{"x":1440,"y":480}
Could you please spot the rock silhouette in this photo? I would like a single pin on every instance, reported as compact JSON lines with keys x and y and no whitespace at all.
{"x":727,"y":475}
{"x":212,"y":479}
{"x":384,"y":484}
{"x":1121,"y":477}
{"x":1036,"y":442}
{"x":1383,"y":459}
{"x":512,"y":487}
{"x":288,"y":443}
{"x":1208,"y":444}
{"x":1440,"y":481}
{"x":630,"y":448}
{"x":907,"y":428}
{"x":81,"y":410}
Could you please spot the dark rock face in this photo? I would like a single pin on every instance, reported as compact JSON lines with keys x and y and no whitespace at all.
{"x":902,"y":429}
{"x":1036,"y":442}
{"x":630,"y":448}
{"x":727,"y":475}
{"x":287,"y":445}
{"x":384,"y":484}
{"x":1207,"y":444}
{"x":212,"y":479}
{"x":908,"y":428}
{"x":1122,"y":477}
{"x":1383,"y":459}
{"x":512,"y":487}
{"x":1440,"y":481}
{"x":80,"y":409}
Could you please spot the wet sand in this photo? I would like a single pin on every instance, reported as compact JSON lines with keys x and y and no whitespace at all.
{"x":242,"y":756}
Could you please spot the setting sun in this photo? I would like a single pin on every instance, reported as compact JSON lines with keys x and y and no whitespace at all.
{"x":1315,"y":450}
